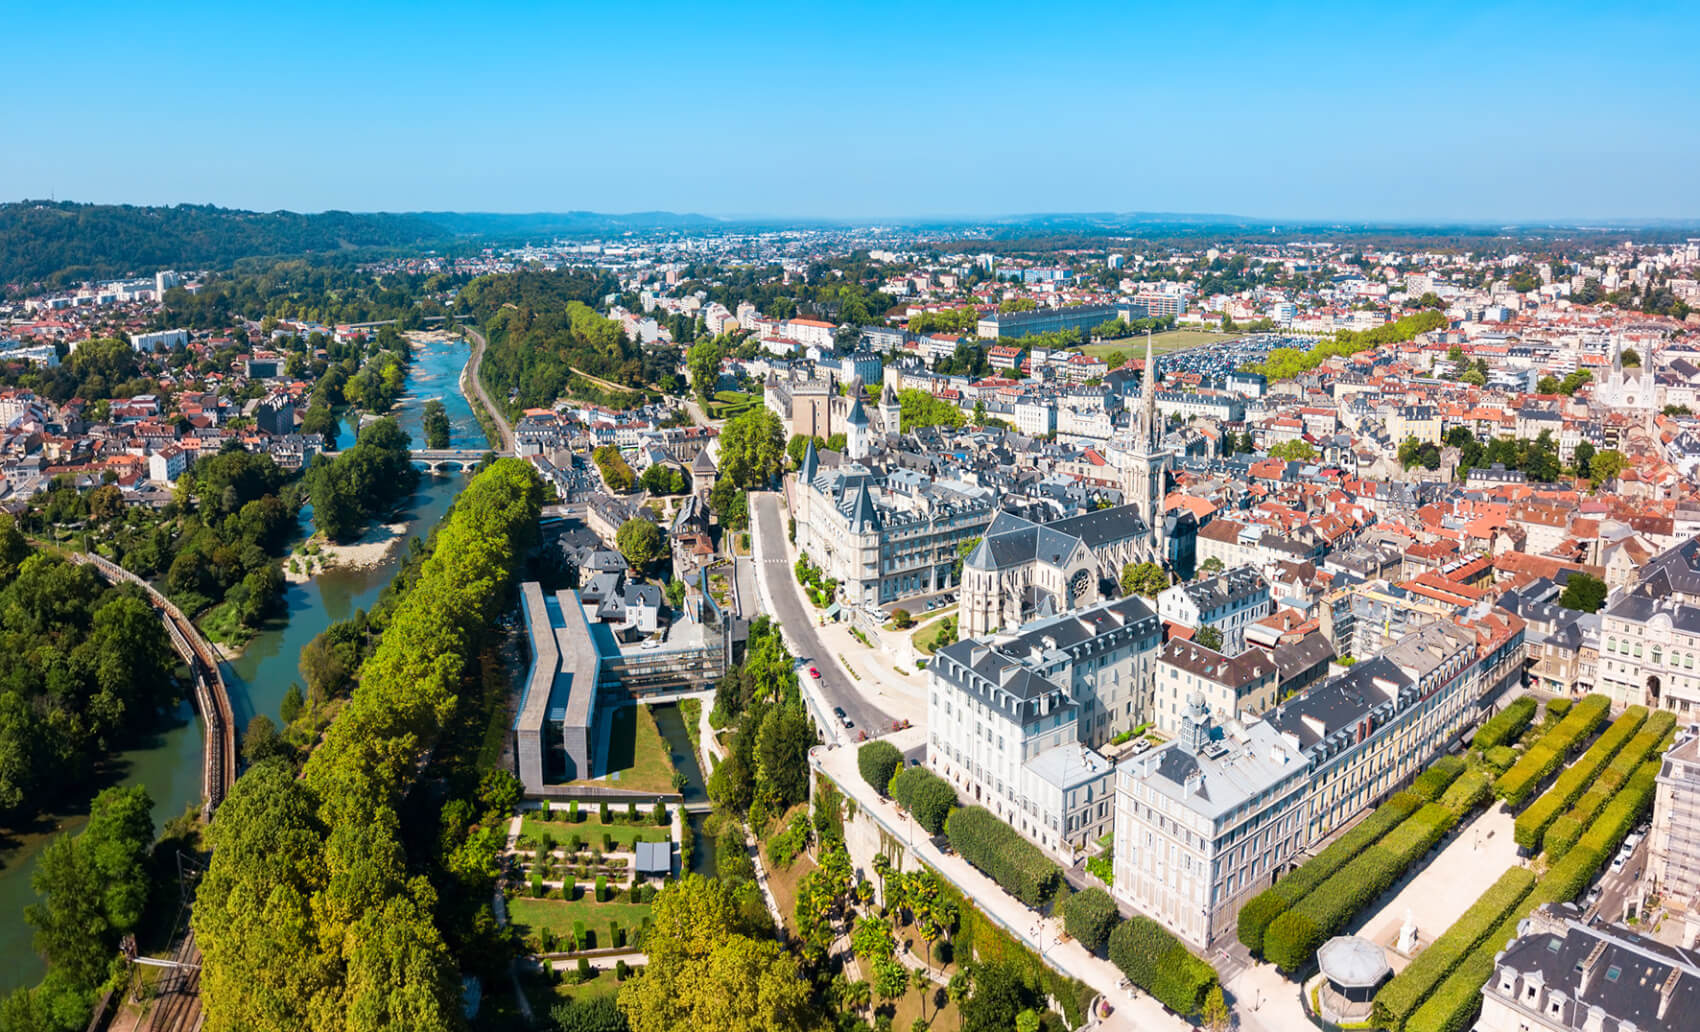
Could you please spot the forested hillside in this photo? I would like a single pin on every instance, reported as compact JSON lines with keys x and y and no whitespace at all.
{"x":541,"y":326}
{"x":62,"y":242}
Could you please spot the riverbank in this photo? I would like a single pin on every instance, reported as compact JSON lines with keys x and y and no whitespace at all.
{"x":317,"y":555}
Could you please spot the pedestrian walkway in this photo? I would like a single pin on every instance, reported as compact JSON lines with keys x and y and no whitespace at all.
{"x":1043,"y":935}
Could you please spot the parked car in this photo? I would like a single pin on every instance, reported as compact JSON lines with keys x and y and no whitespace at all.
{"x":1618,"y":862}
{"x":838,"y":711}
{"x":814,"y":672}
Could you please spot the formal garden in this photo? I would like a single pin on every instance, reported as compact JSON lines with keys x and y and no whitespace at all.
{"x":577,"y":881}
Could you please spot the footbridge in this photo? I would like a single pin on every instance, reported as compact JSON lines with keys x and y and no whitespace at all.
{"x":212,"y":699}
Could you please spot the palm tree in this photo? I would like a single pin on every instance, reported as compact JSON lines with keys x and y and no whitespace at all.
{"x":858,"y":995}
{"x":922,"y":983}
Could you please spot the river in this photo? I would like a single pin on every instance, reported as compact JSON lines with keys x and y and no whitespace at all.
{"x":169,"y":766}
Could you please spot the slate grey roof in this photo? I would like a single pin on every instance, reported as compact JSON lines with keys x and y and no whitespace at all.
{"x":1632,"y":979}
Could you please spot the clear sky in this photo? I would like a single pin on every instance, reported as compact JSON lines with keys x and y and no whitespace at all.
{"x":1441,"y":110}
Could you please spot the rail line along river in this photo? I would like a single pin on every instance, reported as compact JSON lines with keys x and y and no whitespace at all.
{"x":170,"y":764}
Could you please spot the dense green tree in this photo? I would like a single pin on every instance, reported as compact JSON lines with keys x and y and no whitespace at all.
{"x":1584,"y":592}
{"x":752,"y":449}
{"x":1296,"y":450}
{"x":435,"y":422}
{"x":642,"y":543}
{"x":1147,"y":579}
{"x":710,"y":970}
{"x":1209,"y":637}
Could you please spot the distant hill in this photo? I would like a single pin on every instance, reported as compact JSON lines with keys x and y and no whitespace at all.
{"x":63,"y":242}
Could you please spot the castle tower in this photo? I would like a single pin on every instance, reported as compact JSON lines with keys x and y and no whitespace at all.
{"x":891,"y":411}
{"x":857,"y":430}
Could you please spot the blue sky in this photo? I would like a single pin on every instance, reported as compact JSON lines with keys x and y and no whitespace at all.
{"x":1474,"y":111}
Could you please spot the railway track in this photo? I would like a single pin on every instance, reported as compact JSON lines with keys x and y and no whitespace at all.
{"x":212,"y":698}
{"x":176,"y":1006}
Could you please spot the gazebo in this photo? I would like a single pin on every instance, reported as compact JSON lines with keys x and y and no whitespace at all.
{"x":1352,"y":969}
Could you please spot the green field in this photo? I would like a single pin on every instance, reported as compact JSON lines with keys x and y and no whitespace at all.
{"x":638,"y":757}
{"x":590,"y":829}
{"x":727,"y":404}
{"x":1162,"y":343}
{"x":926,"y":639}
{"x":557,"y":915}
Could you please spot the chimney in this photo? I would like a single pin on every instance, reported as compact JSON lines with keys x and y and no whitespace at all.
{"x":1667,"y":992}
{"x":1589,"y":967}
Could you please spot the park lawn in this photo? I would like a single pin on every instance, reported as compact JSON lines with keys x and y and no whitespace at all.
{"x":1162,"y":343}
{"x":591,"y":828}
{"x":727,"y":404}
{"x":636,"y":753}
{"x":602,"y":983}
{"x":927,"y":638}
{"x":558,"y":915}
{"x":908,"y":1007}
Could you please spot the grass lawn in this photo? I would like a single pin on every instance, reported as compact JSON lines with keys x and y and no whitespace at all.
{"x":908,"y":1007}
{"x":637,"y":754}
{"x":927,"y":638}
{"x":1162,"y":343}
{"x":591,"y":828}
{"x":557,"y":915}
{"x":602,"y":983}
{"x":784,"y":885}
{"x":727,"y":404}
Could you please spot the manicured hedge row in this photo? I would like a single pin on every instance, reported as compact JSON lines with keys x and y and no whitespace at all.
{"x":1399,"y":998}
{"x":1442,"y":772}
{"x":1516,"y":785}
{"x":928,"y":797}
{"x":1293,"y":937}
{"x":1500,"y":757}
{"x":1000,"y":851}
{"x":1564,"y":832}
{"x":1090,"y":916}
{"x":878,"y":761}
{"x":1468,"y":792}
{"x":1272,"y":902}
{"x":1454,"y":1005}
{"x":1156,"y":961}
{"x":1532,"y":823}
{"x":1609,"y":829}
{"x":1505,"y":725}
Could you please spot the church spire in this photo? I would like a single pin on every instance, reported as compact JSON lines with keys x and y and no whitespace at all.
{"x":1148,"y":399}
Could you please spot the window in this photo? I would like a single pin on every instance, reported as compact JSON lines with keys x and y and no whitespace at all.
{"x":1613,"y":973}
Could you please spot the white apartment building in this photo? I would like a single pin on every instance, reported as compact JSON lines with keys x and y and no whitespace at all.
{"x":1674,"y":869}
{"x":148,"y":343}
{"x":1239,"y":687}
{"x":1012,"y":721}
{"x":1229,"y":602}
{"x":1204,"y":821}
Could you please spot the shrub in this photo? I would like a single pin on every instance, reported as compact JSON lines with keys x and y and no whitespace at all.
{"x":584,"y":969}
{"x":1291,"y":940}
{"x":622,"y":970}
{"x":572,"y":812}
{"x":1532,"y":823}
{"x":1275,"y":900}
{"x":1505,"y":725}
{"x":659,"y":814}
{"x":631,"y":813}
{"x":581,"y":938}
{"x":616,"y":934}
{"x":1468,"y":792}
{"x":1396,"y":1000}
{"x":1441,"y":773}
{"x":607,"y":842}
{"x":1454,"y":1005}
{"x":601,"y":888}
{"x":1500,"y":757}
{"x":1008,"y":859}
{"x":928,"y":797}
{"x":878,"y":761}
{"x":1327,"y":910}
{"x":1089,"y":916}
{"x":1557,"y":709}
{"x":1608,"y":830}
{"x":1255,"y":917}
{"x":784,"y":847}
{"x":1561,"y":835}
{"x":1516,"y":785}
{"x":1157,"y":962}
{"x":602,"y":812}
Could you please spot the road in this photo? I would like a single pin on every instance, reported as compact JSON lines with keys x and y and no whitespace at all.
{"x":1620,"y":887}
{"x":469,"y":378}
{"x":773,"y":566}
